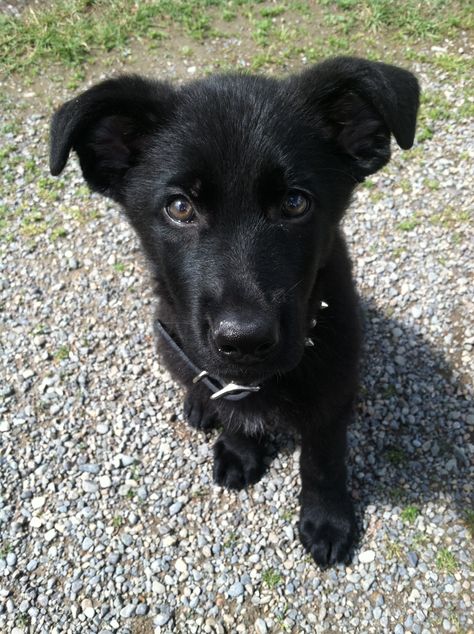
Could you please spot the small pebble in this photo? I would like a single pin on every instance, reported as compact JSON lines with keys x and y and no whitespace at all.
{"x":366,"y":556}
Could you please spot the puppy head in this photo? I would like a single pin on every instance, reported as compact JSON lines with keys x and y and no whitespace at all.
{"x":235,"y":185}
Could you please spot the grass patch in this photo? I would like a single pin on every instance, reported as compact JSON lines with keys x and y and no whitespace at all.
{"x":58,"y":233}
{"x":446,"y":561}
{"x":394,"y":550}
{"x":450,"y":217}
{"x":33,"y":224}
{"x":432,"y":19}
{"x":409,"y":514}
{"x":4,"y":214}
{"x":71,"y":32}
{"x":424,"y":133}
{"x":396,"y":456}
{"x":22,"y":621}
{"x":287,"y":515}
{"x":5,"y":549}
{"x":435,"y":107}
{"x":280,"y":619}
{"x":200,"y":492}
{"x":420,"y":540}
{"x":271,"y":578}
{"x":272,"y":12}
{"x":62,"y":353}
{"x":408,"y":225}
{"x":398,"y":252}
{"x":230,"y":541}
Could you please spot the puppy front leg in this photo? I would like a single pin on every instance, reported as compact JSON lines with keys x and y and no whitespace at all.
{"x":198,"y":408}
{"x":238,"y":460}
{"x":327,"y":522}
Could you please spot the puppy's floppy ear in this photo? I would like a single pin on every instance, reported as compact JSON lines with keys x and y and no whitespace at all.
{"x":108,"y":126}
{"x":358,"y":104}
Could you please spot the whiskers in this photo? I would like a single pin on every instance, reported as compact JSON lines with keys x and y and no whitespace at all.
{"x":279,"y":296}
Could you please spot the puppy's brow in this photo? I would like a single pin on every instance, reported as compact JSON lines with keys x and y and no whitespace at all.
{"x":187,"y":183}
{"x":195,"y":188}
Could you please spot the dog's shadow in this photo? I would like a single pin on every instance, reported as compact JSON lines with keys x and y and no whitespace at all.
{"x":409,"y":442}
{"x":409,"y":439}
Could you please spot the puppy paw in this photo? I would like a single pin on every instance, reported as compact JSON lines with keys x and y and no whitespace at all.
{"x":238,"y":461}
{"x":198,"y":412}
{"x":328,"y":531}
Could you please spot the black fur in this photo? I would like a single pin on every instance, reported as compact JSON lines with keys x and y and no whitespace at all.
{"x":240,"y":283}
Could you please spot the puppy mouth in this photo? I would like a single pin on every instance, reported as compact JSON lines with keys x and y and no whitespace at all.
{"x":243,"y":376}
{"x":253,"y":374}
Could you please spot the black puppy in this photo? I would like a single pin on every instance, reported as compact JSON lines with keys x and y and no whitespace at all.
{"x":235,"y":185}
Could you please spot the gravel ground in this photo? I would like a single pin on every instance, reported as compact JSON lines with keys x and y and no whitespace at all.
{"x":109,"y":520}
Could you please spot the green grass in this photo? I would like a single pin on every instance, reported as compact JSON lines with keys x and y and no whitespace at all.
{"x":451,"y":217}
{"x":74,"y":33}
{"x":394,"y":550}
{"x":58,"y":233}
{"x":271,"y":578}
{"x":409,"y":224}
{"x":71,"y":32}
{"x":230,"y":541}
{"x":446,"y":561}
{"x":22,"y":620}
{"x":62,"y":353}
{"x":5,"y":549}
{"x":287,"y":515}
{"x":398,"y":252}
{"x":420,"y":540}
{"x":396,"y":456}
{"x":409,"y":514}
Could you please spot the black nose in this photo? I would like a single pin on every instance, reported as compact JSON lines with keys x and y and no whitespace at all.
{"x":243,"y":339}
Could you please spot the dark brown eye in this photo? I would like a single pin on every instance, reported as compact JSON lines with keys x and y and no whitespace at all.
{"x":296,"y":204}
{"x":180,"y":210}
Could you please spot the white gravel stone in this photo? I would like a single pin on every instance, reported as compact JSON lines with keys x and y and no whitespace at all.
{"x":366,"y":556}
{"x":180,"y":565}
{"x":89,"y":486}
{"x":50,"y":535}
{"x":87,"y":543}
{"x":38,"y":502}
{"x":127,"y":611}
{"x":105,"y":482}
